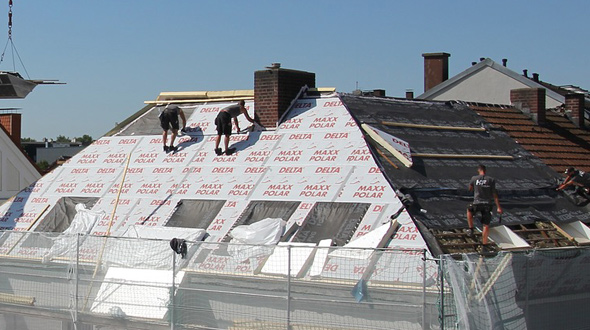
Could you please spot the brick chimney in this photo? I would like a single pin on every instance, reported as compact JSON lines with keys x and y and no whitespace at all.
{"x":12,"y":123}
{"x":530,"y":100}
{"x":436,"y":69}
{"x":274,"y":89}
{"x":575,"y":103}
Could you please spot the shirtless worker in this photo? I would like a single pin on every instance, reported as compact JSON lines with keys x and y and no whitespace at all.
{"x":484,"y":192}
{"x":169,"y":121}
{"x":223,"y":124}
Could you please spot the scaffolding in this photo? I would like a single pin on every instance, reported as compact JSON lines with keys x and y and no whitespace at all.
{"x":139,"y":283}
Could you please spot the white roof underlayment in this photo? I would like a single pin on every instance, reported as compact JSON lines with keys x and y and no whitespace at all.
{"x":318,"y":154}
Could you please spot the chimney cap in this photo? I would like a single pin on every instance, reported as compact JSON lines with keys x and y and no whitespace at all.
{"x":275,"y":65}
{"x":441,"y":54}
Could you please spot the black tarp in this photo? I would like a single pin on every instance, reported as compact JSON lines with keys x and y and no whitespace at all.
{"x":195,"y":213}
{"x":331,"y":220}
{"x":258,"y":210}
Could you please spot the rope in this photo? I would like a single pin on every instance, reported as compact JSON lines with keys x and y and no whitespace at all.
{"x":12,"y":46}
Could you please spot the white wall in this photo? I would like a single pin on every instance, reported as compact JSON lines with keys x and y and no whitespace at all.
{"x":16,"y":172}
{"x":486,"y":86}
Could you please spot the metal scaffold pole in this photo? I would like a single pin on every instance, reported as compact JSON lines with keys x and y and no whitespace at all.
{"x":442,"y":294}
{"x":77,"y":280}
{"x":172,"y":291}
{"x":424,"y":289}
{"x":288,"y":287}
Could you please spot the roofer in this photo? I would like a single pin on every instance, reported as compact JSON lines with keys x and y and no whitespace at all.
{"x":169,"y":121}
{"x":224,"y":127}
{"x":576,"y":178}
{"x":484,"y":192}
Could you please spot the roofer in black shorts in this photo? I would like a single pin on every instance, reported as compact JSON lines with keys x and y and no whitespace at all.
{"x":484,"y":192}
{"x":223,"y":123}
{"x":169,"y":121}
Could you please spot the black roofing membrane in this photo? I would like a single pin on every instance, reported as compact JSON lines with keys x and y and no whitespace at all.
{"x":436,"y":189}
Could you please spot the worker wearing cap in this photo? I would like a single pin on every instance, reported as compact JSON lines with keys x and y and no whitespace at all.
{"x":223,"y":124}
{"x":484,"y":193}
{"x":576,"y":178}
{"x":169,"y":121}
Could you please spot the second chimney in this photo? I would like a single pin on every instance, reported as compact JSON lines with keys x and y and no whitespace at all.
{"x":274,"y":89}
{"x":530,"y":100}
{"x":575,"y":103}
{"x":436,"y":69}
{"x":12,"y":124}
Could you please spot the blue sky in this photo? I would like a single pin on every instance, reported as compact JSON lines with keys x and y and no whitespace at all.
{"x":113,"y":55}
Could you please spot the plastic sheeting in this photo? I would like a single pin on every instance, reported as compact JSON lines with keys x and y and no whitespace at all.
{"x":68,"y":241}
{"x":62,"y":214}
{"x":264,"y":232}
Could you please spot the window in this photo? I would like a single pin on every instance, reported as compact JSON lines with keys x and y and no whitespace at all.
{"x":58,"y":219}
{"x":337,"y":221}
{"x":195,"y":213}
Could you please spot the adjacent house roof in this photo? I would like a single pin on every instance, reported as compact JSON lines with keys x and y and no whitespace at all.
{"x":490,"y":82}
{"x":486,"y":82}
{"x":558,"y":142}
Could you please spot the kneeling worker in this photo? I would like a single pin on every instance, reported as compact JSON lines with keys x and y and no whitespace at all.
{"x":223,"y":124}
{"x":576,"y":178}
{"x":484,"y":192}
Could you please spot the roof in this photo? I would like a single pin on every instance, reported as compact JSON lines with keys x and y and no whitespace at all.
{"x":474,"y":69}
{"x":558,"y":142}
{"x":315,"y":171}
{"x":435,"y":187}
{"x":317,"y":163}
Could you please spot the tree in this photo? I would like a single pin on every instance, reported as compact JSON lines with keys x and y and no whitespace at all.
{"x":27,"y":139}
{"x":62,"y":139}
{"x":85,"y":139}
{"x":43,"y":165}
